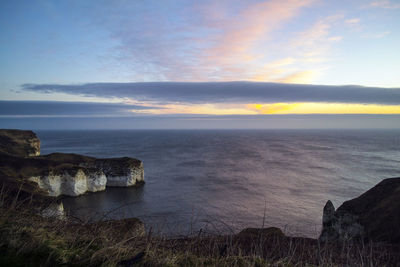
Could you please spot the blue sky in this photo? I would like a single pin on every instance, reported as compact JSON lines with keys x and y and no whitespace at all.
{"x":311,"y":42}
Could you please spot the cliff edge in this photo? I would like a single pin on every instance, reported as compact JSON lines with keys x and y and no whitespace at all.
{"x":59,"y":173}
{"x":19,"y":143}
{"x":373,"y":216}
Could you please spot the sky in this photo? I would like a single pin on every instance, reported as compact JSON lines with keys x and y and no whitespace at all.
{"x":199,"y":64}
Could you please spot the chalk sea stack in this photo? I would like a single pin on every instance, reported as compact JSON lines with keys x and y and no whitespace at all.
{"x":373,"y":216}
{"x":22,"y":167}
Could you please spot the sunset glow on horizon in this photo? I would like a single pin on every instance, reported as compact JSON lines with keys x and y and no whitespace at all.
{"x":275,"y":108}
{"x":114,"y":52}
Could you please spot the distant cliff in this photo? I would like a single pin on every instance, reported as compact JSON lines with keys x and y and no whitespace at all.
{"x":58,"y":173}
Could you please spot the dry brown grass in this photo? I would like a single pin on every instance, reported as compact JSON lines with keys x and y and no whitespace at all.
{"x":28,"y":239}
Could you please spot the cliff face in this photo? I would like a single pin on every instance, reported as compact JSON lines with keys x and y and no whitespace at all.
{"x":67,"y":174}
{"x":70,"y":181}
{"x":19,"y":143}
{"x":84,"y":174}
{"x":121,"y":171}
{"x":375,"y":215}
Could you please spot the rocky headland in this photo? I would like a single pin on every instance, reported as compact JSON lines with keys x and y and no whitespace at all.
{"x":362,"y":231}
{"x":23,"y":168}
{"x":373,"y":216}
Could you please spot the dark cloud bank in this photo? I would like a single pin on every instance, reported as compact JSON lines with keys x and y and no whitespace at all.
{"x":60,"y":108}
{"x":224,"y":92}
{"x":84,"y":115}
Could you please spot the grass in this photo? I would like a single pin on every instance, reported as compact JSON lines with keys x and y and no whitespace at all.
{"x":28,"y":239}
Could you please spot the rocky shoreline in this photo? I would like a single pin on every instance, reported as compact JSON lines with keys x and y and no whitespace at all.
{"x":375,"y":215}
{"x":56,"y":174}
{"x":372,"y":218}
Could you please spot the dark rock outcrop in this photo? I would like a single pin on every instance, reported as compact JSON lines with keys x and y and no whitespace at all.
{"x":19,"y":143}
{"x":58,"y":173}
{"x":374,"y":216}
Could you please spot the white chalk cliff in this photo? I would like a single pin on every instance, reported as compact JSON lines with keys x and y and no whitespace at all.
{"x":70,"y":183}
{"x":88,"y":174}
{"x":59,"y":173}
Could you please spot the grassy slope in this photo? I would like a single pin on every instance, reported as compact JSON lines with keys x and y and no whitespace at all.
{"x":28,"y":239}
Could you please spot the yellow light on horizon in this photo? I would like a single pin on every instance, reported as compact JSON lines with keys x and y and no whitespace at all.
{"x":324,"y":108}
{"x":273,"y":108}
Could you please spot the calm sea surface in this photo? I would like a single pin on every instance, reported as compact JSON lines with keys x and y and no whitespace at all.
{"x":226,"y":180}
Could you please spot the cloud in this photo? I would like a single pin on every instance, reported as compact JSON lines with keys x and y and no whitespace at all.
{"x":254,"y":24}
{"x":207,"y":41}
{"x":353,"y":21}
{"x":335,"y":38}
{"x":309,"y":51}
{"x":376,"y":35}
{"x":68,"y":109}
{"x":313,"y":44}
{"x":385,"y":4}
{"x":226,"y":92}
{"x":221,"y":40}
{"x":303,"y":77}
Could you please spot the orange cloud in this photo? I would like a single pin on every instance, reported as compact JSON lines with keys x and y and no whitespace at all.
{"x":272,"y":71}
{"x":255,"y":24}
{"x":243,"y":45}
{"x":308,"y":51}
{"x":301,"y":77}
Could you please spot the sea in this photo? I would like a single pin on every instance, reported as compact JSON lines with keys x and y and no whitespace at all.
{"x":222,"y":181}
